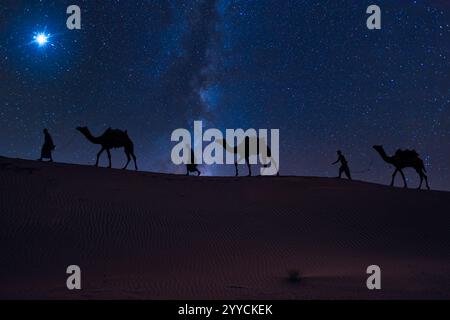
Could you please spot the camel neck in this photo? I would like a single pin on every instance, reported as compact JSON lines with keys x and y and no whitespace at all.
{"x":91,"y":138}
{"x":225,"y":145}
{"x":385,"y":156}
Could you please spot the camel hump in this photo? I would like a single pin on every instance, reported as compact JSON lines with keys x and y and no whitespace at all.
{"x":407,"y":153}
{"x":119,"y":132}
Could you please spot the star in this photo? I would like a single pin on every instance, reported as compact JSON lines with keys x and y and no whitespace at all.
{"x":41,"y":39}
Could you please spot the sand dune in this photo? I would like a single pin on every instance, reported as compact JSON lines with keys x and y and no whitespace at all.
{"x":141,"y":235}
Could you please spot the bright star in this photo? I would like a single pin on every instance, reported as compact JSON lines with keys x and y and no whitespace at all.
{"x":41,"y":39}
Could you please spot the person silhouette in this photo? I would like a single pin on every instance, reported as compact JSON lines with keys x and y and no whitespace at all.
{"x":344,"y":165}
{"x":47,"y":147}
{"x":192,"y":166}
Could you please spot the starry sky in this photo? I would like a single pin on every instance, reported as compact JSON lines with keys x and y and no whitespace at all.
{"x":309,"y":68}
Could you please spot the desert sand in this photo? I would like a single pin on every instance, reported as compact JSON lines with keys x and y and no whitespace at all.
{"x":139,"y":235}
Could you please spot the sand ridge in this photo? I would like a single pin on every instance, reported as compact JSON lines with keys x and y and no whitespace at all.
{"x":139,"y":235}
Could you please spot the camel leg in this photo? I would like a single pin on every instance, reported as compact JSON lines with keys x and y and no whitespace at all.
{"x":393,"y":177}
{"x":276,"y":167}
{"x":236,"y":168}
{"x":426,"y":181}
{"x":421,"y":179}
{"x":134,"y":160}
{"x":109,"y":157}
{"x":128,"y":160}
{"x":98,"y":156}
{"x":198,"y":172}
{"x":249,"y":168}
{"x":404,"y":179}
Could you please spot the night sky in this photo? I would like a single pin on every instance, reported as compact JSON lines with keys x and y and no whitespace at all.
{"x":309,"y":68}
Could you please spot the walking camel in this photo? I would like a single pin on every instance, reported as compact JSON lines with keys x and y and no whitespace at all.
{"x":237,"y":150}
{"x":404,"y":159}
{"x":111,"y":138}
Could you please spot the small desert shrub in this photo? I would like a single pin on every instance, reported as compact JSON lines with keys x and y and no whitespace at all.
{"x":294,"y":276}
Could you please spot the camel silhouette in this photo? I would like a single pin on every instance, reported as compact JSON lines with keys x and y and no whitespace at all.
{"x":404,"y":159}
{"x":111,"y":138}
{"x":260,"y":144}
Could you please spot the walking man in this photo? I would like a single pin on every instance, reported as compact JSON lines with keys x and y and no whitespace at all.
{"x":344,"y":165}
{"x":47,"y":147}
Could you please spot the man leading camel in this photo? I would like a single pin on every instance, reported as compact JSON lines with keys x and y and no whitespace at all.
{"x":344,"y":165}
